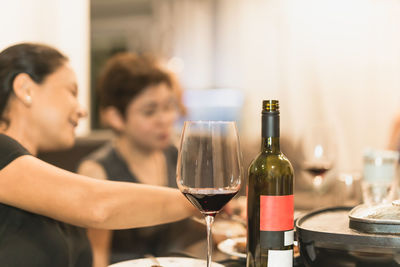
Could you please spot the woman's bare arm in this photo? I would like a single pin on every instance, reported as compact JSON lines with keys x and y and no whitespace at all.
{"x":100,"y":241}
{"x":33,"y":185}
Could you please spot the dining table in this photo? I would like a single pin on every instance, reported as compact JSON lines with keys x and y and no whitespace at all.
{"x":198,"y":250}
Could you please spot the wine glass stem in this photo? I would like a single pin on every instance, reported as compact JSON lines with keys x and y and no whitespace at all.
{"x":209,"y":222}
{"x":317,"y":183}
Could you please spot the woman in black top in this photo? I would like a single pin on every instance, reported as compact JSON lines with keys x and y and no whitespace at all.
{"x":41,"y":205}
{"x":28,"y":239}
{"x":139,"y":100}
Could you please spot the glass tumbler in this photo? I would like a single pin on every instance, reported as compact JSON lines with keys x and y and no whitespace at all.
{"x":379,"y":176}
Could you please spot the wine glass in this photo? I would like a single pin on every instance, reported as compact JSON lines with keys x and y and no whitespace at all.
{"x":319,"y":153}
{"x":209,"y":168}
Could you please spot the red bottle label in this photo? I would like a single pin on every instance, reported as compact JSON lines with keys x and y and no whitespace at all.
{"x":276,"y":213}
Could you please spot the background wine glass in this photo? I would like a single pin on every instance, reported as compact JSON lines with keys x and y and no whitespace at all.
{"x":209,"y":168}
{"x":319,"y":152}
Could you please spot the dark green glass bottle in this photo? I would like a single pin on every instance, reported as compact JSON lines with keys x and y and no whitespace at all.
{"x":270,"y":203}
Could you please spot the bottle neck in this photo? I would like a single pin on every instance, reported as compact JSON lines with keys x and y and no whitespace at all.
{"x":270,"y":132}
{"x":271,"y":144}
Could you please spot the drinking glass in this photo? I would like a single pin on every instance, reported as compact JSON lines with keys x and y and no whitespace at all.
{"x":319,"y":153}
{"x":348,"y":190}
{"x":379,"y":176}
{"x":209,"y":168}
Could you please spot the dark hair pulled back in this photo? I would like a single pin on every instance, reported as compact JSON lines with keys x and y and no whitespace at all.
{"x":36,"y":60}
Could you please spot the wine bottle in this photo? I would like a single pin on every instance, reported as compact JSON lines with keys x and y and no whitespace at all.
{"x":270,"y":202}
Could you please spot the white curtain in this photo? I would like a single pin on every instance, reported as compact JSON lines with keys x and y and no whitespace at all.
{"x":62,"y":24}
{"x":184,"y":29}
{"x":336,"y":61}
{"x":330,"y":60}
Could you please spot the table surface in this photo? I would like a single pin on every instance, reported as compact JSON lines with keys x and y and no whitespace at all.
{"x":199,"y":250}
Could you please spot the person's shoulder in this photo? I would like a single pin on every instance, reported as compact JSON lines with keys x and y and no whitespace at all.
{"x":10,"y":149}
{"x":7,"y":142}
{"x":100,"y":153}
{"x":91,"y":165}
{"x":92,"y":169}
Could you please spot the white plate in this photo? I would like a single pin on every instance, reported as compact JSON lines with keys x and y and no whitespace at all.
{"x":228,"y":246}
{"x":165,"y":262}
{"x":229,"y":229}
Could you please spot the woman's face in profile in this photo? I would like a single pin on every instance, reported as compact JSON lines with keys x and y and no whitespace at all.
{"x":55,"y":109}
{"x":150,"y":117}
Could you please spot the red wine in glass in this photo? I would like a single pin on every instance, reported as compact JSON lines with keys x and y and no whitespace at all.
{"x":209,"y":168}
{"x":209,"y":201}
{"x":317,"y":170}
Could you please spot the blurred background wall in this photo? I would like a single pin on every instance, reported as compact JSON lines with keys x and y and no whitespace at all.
{"x":328,"y":61}
{"x":60,"y":23}
{"x":335,"y":61}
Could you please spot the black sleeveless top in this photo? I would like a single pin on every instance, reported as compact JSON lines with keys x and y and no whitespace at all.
{"x":156,"y":240}
{"x":117,"y":170}
{"x":28,"y":239}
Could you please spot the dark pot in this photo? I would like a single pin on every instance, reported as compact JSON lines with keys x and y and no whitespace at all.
{"x":325,"y":240}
